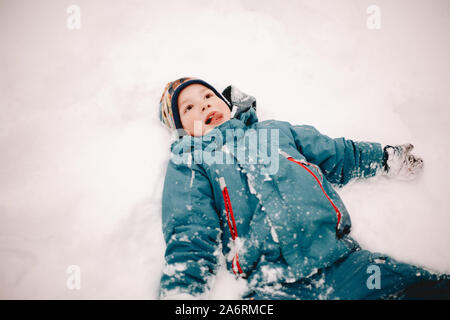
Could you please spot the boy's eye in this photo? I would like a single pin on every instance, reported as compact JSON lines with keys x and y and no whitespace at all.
{"x":188,"y":108}
{"x":208,"y":95}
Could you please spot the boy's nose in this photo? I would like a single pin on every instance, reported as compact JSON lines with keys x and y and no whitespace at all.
{"x":205,"y":107}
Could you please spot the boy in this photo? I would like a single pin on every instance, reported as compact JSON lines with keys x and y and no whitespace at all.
{"x":276,"y":219}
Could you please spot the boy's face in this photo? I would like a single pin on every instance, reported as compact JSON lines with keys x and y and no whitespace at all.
{"x":198,"y":104}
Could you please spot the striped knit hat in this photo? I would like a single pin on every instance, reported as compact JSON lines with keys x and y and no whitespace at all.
{"x":168,"y":105}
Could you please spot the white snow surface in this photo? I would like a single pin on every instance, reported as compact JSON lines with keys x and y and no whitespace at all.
{"x":83,"y":154}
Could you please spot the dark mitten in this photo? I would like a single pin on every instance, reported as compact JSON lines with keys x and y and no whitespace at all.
{"x":400,"y":163}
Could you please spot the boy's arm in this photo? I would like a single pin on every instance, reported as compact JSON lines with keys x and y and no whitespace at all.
{"x":191,"y":230}
{"x":340,"y":159}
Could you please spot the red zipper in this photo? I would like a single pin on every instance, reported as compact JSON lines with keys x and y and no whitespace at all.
{"x":231,"y":224}
{"x":338,"y":213}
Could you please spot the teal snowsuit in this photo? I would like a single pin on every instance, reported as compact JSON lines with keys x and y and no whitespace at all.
{"x":273,"y":213}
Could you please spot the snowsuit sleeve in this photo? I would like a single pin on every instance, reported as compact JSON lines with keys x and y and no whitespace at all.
{"x":191,"y":230}
{"x":340,"y":159}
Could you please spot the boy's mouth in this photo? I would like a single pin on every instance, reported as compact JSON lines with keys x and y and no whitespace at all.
{"x":213,"y":118}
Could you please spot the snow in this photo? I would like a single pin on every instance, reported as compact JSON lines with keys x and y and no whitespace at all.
{"x":83,"y":154}
{"x":172,"y":269}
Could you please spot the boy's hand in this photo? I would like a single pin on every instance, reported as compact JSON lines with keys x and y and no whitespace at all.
{"x":399,"y":163}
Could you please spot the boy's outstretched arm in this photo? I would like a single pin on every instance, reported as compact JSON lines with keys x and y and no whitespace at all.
{"x":191,"y":230}
{"x":342,"y":160}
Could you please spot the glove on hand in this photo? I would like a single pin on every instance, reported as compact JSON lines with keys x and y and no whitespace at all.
{"x":399,"y":163}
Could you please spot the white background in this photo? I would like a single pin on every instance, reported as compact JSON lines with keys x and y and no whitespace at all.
{"x":83,"y":155}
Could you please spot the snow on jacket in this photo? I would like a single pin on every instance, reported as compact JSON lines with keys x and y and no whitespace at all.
{"x":273,"y":212}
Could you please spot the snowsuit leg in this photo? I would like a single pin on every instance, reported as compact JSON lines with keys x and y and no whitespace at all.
{"x":362,"y":275}
{"x":367,"y":275}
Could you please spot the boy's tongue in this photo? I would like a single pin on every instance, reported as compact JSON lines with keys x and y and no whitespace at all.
{"x":216,"y":117}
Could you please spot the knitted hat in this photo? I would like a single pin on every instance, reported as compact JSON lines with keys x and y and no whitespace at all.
{"x":168,"y":105}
